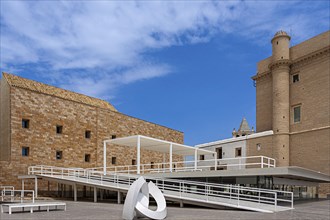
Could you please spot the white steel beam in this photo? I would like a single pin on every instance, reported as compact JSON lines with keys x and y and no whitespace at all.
{"x":138,"y":153}
{"x":104,"y":157}
{"x":196,"y":158}
{"x":171,"y":158}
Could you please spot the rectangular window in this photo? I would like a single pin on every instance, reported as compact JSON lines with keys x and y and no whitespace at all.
{"x":88,"y":134}
{"x":133,"y":162}
{"x":296,"y":114}
{"x":113,"y":160}
{"x":25,"y":151}
{"x":59,"y":155}
{"x":258,"y":146}
{"x":25,"y":123}
{"x":238,"y":152}
{"x":201,"y":157}
{"x":295,"y":78}
{"x":113,"y":136}
{"x":219,"y":152}
{"x":59,"y":129}
{"x":87,"y":158}
{"x":152,"y":165}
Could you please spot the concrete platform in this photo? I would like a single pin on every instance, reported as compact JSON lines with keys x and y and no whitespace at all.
{"x":106,"y":211}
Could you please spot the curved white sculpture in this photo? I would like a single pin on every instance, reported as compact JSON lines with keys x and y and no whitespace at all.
{"x":137,"y":201}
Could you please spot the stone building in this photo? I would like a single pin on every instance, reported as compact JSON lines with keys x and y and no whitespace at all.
{"x":45,"y":125}
{"x":292,"y":107}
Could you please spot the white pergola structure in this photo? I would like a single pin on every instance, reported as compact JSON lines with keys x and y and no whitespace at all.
{"x":153,"y":144}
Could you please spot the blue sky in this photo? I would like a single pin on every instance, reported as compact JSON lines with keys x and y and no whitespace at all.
{"x":182,"y":64}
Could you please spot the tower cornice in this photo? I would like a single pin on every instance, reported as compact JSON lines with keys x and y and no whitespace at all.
{"x":280,"y":63}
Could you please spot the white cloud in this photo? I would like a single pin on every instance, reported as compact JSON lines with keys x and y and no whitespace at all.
{"x":106,"y":40}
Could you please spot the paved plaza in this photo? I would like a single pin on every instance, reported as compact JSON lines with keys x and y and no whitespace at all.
{"x":89,"y":210}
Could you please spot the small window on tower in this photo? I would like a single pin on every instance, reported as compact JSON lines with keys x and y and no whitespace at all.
{"x":296,"y":114}
{"x":25,"y":151}
{"x":113,"y":160}
{"x":152,"y":165}
{"x":113,"y":136}
{"x":88,"y":134}
{"x":133,"y":162}
{"x":87,"y":158}
{"x":59,"y":129}
{"x":25,"y":123}
{"x":59,"y":155}
{"x":295,"y":78}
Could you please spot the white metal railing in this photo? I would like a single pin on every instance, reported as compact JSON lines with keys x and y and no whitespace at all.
{"x":200,"y":191}
{"x":13,"y":194}
{"x":236,"y":163}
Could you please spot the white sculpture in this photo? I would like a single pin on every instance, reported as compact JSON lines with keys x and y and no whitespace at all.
{"x":137,"y":201}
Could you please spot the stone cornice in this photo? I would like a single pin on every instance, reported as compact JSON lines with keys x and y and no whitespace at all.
{"x":307,"y":59}
{"x":297,"y":63}
{"x":280,"y":63}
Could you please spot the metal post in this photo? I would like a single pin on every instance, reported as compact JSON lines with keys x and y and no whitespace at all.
{"x":104,"y":157}
{"x":215,"y":160}
{"x":196,"y":159}
{"x":138,"y":154}
{"x":95,"y":194}
{"x":262,"y":162}
{"x":171,"y":159}
{"x":36,"y":186}
{"x":75,"y":192}
{"x":119,"y":197}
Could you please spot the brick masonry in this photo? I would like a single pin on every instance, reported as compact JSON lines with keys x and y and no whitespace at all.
{"x":45,"y":112}
{"x":309,"y":140}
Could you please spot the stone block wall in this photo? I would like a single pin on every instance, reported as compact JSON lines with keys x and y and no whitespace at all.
{"x":45,"y":112}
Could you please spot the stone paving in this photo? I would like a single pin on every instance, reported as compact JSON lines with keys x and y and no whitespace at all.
{"x":99,"y":211}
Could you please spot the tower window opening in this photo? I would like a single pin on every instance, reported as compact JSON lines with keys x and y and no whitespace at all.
{"x":59,"y":155}
{"x":88,"y":134}
{"x":113,"y":160}
{"x":295,"y":78}
{"x":59,"y":129}
{"x":25,"y":123}
{"x":133,"y":162}
{"x":296,"y":114}
{"x":87,"y":158}
{"x":25,"y":151}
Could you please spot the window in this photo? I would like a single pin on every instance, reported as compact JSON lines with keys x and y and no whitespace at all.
{"x":201,"y":157}
{"x":88,"y":134}
{"x":238,"y":152}
{"x":113,"y":136}
{"x":25,"y":151}
{"x":25,"y":123}
{"x":152,"y":165}
{"x":133,"y":162}
{"x":295,"y":78}
{"x":113,"y":160}
{"x":296,"y":114}
{"x":59,"y":129}
{"x":59,"y":155}
{"x":219,"y":153}
{"x":258,"y":147}
{"x":87,"y":158}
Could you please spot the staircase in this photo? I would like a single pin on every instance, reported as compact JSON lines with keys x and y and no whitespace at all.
{"x":198,"y":193}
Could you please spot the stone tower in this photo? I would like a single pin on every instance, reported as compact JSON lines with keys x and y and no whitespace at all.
{"x":244,"y":129}
{"x":280,"y":71}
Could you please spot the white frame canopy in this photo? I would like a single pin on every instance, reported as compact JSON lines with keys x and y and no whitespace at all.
{"x":153,"y":144}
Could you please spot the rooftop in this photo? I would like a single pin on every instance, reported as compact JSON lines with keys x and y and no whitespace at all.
{"x":20,"y":82}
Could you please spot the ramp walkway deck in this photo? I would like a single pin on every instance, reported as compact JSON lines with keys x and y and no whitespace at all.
{"x":199,"y":193}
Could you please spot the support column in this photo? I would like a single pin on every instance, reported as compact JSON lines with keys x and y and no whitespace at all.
{"x":171,"y":158}
{"x":119,"y":197}
{"x":104,"y":157}
{"x":195,"y":159}
{"x":36,"y":187}
{"x":101,"y":194}
{"x":181,"y":204}
{"x":138,"y":154}
{"x":95,"y":194}
{"x":215,"y":160}
{"x":75,"y":192}
{"x":22,"y":184}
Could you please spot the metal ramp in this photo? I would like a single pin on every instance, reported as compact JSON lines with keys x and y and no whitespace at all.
{"x":198,"y":193}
